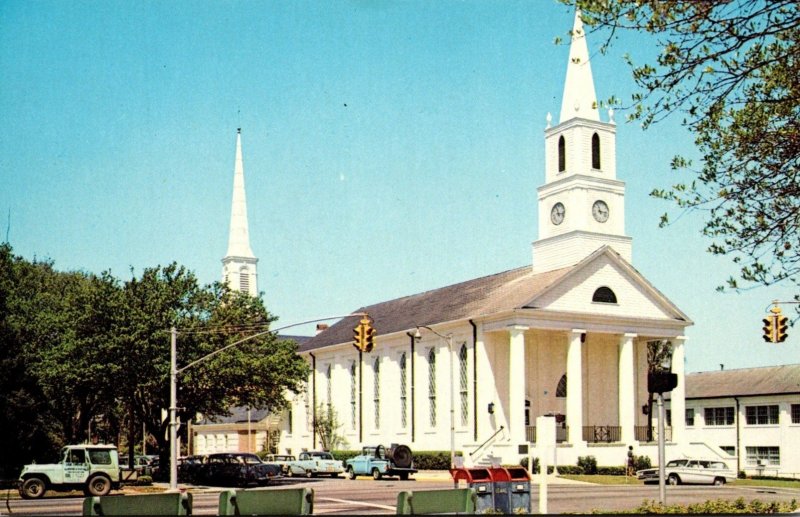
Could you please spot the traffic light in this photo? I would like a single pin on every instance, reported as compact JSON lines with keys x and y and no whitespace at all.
{"x":781,"y":324}
{"x":661,"y":382}
{"x":358,"y":337}
{"x":769,"y":329}
{"x":364,"y":335}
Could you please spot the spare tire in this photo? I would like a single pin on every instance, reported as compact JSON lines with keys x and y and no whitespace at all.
{"x":400,"y":455}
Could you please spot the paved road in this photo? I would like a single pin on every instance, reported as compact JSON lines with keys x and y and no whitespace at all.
{"x":365,"y":496}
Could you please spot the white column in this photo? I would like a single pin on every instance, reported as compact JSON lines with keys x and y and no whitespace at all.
{"x":575,"y":387}
{"x":516,"y":385}
{"x":627,"y":389}
{"x":678,"y":396}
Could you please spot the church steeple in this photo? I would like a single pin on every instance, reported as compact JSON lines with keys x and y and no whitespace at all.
{"x":239,"y":264}
{"x":582,"y":203}
{"x":579,"y":98}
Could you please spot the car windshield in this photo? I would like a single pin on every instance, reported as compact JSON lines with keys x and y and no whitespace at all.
{"x":323,"y":455}
{"x":677,"y":463}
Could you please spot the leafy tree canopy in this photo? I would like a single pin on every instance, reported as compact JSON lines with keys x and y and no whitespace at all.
{"x":731,"y":70}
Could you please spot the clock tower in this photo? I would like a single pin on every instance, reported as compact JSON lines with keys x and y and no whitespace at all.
{"x":582,"y":203}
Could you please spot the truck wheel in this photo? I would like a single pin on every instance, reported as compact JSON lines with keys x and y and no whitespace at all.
{"x":33,"y":488}
{"x":98,"y":486}
{"x":350,"y":473}
{"x":376,"y":474}
{"x":404,"y":476}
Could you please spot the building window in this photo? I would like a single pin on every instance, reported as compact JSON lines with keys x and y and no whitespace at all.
{"x":462,"y":387}
{"x":561,"y":389}
{"x":689,"y":417}
{"x":595,"y":151}
{"x":761,"y":415}
{"x":307,"y":402}
{"x":403,"y":392}
{"x":763,"y":455}
{"x":328,"y":391}
{"x":796,"y":413}
{"x":432,"y":387}
{"x":729,"y":449}
{"x":669,"y":418}
{"x":376,"y":379}
{"x":604,"y":295}
{"x":562,"y":154}
{"x":290,"y":419}
{"x":353,"y":395}
{"x":718,"y":415}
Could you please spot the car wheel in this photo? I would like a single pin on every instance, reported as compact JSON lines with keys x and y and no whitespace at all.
{"x":673,"y":480}
{"x":404,"y":476}
{"x":351,"y":473}
{"x":33,"y":488}
{"x":376,"y":474}
{"x":98,"y":486}
{"x":309,"y":473}
{"x":719,"y":481}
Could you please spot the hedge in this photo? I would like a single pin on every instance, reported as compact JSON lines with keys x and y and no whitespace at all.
{"x":588,"y":465}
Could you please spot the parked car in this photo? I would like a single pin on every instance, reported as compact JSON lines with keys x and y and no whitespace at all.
{"x":315,"y":463}
{"x":379,"y":461}
{"x":287,"y":464}
{"x":236,"y":469}
{"x":691,"y":471}
{"x":189,"y":468}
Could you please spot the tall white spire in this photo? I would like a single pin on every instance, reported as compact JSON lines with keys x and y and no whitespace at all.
{"x":579,"y":97}
{"x":239,"y":264}
{"x":239,"y":237}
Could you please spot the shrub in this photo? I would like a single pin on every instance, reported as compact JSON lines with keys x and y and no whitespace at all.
{"x":611,"y":471}
{"x":588,"y":464}
{"x":144,"y":481}
{"x":718,"y":506}
{"x":535,"y":469}
{"x":641,"y":462}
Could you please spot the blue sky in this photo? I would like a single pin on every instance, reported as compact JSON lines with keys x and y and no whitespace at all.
{"x":389,"y":148}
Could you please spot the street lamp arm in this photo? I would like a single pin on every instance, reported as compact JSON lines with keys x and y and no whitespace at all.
{"x":215,"y":352}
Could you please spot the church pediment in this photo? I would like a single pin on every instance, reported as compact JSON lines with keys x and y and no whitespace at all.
{"x":604,"y":284}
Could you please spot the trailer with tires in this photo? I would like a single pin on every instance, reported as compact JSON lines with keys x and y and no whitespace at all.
{"x":379,"y":462}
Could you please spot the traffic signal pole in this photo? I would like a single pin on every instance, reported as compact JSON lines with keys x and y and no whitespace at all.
{"x":173,"y":383}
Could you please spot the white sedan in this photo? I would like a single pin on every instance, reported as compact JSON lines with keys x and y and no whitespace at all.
{"x":691,"y":471}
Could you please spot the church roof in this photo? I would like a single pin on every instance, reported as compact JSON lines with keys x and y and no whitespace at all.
{"x":768,"y":380}
{"x":471,"y":299}
{"x":238,"y":416}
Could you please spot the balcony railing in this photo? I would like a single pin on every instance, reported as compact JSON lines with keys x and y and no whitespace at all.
{"x":561,"y":433}
{"x":602,"y":433}
{"x":641,"y":434}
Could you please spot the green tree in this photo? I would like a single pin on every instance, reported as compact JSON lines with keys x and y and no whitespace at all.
{"x":658,"y":353}
{"x":255,"y":374}
{"x":730,"y":70}
{"x":328,"y":428}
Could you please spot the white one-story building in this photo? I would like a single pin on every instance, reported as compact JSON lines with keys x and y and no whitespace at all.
{"x":753,"y":414}
{"x":566,"y":336}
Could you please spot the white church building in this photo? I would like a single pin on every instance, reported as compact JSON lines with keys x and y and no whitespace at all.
{"x":565,"y":336}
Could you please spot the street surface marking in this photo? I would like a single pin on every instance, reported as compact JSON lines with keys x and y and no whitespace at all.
{"x":360,"y":503}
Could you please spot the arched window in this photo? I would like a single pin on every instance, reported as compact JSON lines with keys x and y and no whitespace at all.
{"x":604,"y":295}
{"x":463,"y":384}
{"x":595,"y":151}
{"x":561,"y":389}
{"x":353,"y":388}
{"x":432,"y":387}
{"x":376,"y":370}
{"x":562,"y":154}
{"x":403,"y":392}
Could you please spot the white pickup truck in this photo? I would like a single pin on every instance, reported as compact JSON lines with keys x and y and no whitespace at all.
{"x":315,"y":463}
{"x":92,"y":468}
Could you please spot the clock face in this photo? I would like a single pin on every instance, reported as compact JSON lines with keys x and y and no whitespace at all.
{"x":600,"y":211}
{"x":557,"y":213}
